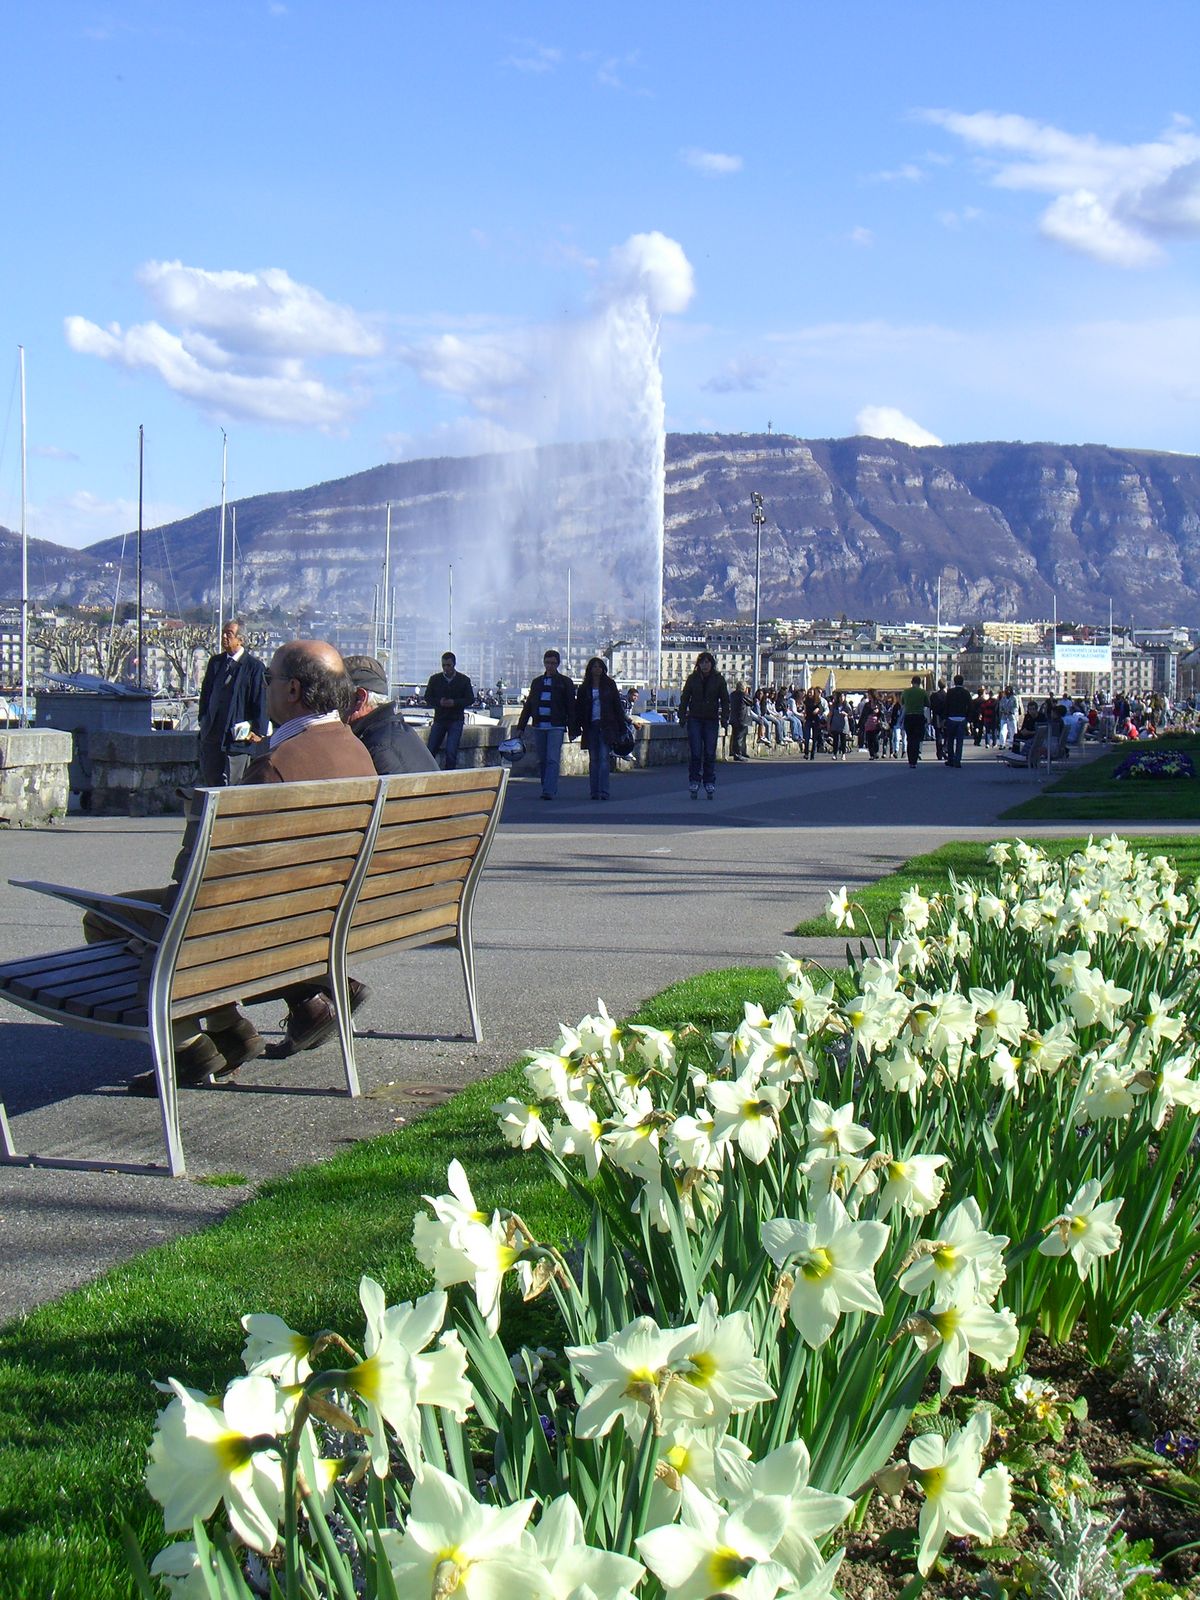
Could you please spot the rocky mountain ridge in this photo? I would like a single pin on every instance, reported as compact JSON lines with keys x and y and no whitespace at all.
{"x":858,"y":526}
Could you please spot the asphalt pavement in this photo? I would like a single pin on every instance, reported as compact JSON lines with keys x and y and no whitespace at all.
{"x":580,"y":900}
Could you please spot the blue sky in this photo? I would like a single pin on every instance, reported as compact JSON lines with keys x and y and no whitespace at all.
{"x":352,"y":233}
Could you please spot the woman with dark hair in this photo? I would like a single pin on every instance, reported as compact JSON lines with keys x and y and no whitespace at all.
{"x":704,"y":708}
{"x":600,"y":717}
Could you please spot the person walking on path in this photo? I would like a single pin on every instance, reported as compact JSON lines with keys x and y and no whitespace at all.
{"x":600,"y":718}
{"x":959,"y":702}
{"x":915,"y":702}
{"x":550,"y":706}
{"x":1008,"y":710}
{"x":232,"y":712}
{"x":937,"y":715}
{"x":704,"y":707}
{"x":449,"y":693}
{"x":739,"y":721}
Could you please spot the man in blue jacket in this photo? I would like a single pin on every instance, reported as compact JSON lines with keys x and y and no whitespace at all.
{"x":233,"y":710}
{"x":550,"y":706}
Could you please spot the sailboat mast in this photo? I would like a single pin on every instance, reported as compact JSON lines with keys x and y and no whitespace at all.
{"x":24,"y":560}
{"x":221,"y":542}
{"x":233,"y":562}
{"x":141,"y":488}
{"x":387,"y":573}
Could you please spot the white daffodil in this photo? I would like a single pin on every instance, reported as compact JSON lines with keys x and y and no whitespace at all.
{"x":811,"y":1513}
{"x":809,"y":1005}
{"x":830,"y":1130}
{"x":1047,"y":1052}
{"x":700,"y":1455}
{"x":964,"y":1326}
{"x":992,"y":909}
{"x":561,"y":1074}
{"x":1068,"y":967}
{"x":839,"y":909}
{"x":203,"y":1454}
{"x":912,"y":1183}
{"x":599,"y":1035}
{"x":522,"y":1125}
{"x":632,"y":1143}
{"x":833,"y":1259}
{"x":478,"y":1253}
{"x":943,"y":1024}
{"x":580,"y":1135}
{"x":1095,"y":1000}
{"x":966,"y":898}
{"x":747,"y":1112}
{"x":913,"y":953}
{"x":1085,"y":1231}
{"x":849,"y":1177}
{"x":947,"y":1472}
{"x":693,"y":1142}
{"x":1000,"y":1018}
{"x":179,"y":1571}
{"x":713,"y":1552}
{"x":995,"y":1495}
{"x":777,"y":1048}
{"x":574,"y":1567}
{"x":719,"y":1370}
{"x":998,"y":853}
{"x":1174,"y":1086}
{"x":628,"y":1375}
{"x":900,"y":1071}
{"x":874,"y":1018}
{"x":963,"y":1244}
{"x":915,"y":909}
{"x":453,"y":1545}
{"x":1110,"y":1090}
{"x":275,"y":1350}
{"x":655,"y":1046}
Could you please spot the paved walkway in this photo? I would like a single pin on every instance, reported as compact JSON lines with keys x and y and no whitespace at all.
{"x":581,"y":900}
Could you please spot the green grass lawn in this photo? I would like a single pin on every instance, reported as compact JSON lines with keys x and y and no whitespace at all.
{"x":1087,"y":792}
{"x":931,"y":874}
{"x":77,"y":1405}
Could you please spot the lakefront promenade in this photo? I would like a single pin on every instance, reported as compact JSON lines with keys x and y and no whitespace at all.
{"x":579,"y":902}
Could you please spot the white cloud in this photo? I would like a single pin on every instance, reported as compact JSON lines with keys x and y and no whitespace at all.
{"x":84,"y":518}
{"x":885,"y":422}
{"x":862,"y":236}
{"x":529,"y":56}
{"x":461,"y":436}
{"x":957,"y":220}
{"x":711,"y":162}
{"x":742,"y":375}
{"x":241,"y":343}
{"x":907,"y":172}
{"x":653,"y":266}
{"x":257,"y":313}
{"x":1113,"y":202}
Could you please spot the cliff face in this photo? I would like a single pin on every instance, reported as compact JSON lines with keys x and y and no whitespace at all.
{"x":861,"y":526}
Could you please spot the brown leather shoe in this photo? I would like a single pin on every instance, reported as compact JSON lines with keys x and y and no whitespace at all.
{"x":237,"y":1044}
{"x":312,"y":1021}
{"x":194,"y":1063}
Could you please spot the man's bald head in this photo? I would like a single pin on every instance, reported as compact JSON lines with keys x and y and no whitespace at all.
{"x":308,"y":677}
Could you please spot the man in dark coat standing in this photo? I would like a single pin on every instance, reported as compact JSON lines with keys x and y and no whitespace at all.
{"x":448,"y":693}
{"x":233,"y":710}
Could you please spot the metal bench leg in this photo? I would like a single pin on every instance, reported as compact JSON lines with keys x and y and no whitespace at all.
{"x":339,"y":982}
{"x":466,"y":950}
{"x":162,"y":1044}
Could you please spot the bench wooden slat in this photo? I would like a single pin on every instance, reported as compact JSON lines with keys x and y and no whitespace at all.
{"x":419,"y":833}
{"x":243,"y":886}
{"x":256,"y":937}
{"x":232,"y":917}
{"x":237,"y":987}
{"x":264,"y":828}
{"x":117,"y":997}
{"x":454,"y":871}
{"x":53,"y":988}
{"x":426,"y":926}
{"x":62,"y":958}
{"x":285,"y":853}
{"x":260,"y":970}
{"x":389,"y":906}
{"x":420,"y":808}
{"x":462,"y":850}
{"x":271,"y":798}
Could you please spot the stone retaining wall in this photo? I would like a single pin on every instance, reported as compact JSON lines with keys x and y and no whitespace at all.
{"x":33,"y":776}
{"x":140,"y":774}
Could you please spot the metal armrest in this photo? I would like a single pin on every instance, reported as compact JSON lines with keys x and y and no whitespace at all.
{"x":112,"y":906}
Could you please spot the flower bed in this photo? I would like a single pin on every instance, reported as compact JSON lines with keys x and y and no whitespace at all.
{"x":801,"y":1321}
{"x":1156,"y":764}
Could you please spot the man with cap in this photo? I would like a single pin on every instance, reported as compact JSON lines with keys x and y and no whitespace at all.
{"x":377,"y":721}
{"x":449,"y":693}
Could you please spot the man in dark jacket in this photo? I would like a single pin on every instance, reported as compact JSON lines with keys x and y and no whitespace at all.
{"x":959,"y":702}
{"x":233,"y":710}
{"x":448,"y":693}
{"x":377,"y":721}
{"x":550,"y":706}
{"x":937,"y":713}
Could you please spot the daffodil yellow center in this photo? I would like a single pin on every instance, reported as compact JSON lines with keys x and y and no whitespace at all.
{"x":856,"y":1018}
{"x":1079,"y":1225}
{"x":232,"y":1451}
{"x":752,"y":1110}
{"x":678,"y":1457}
{"x":946,"y":1322}
{"x":819,"y":1264}
{"x":945,"y":1258}
{"x":704,"y":1368}
{"x":897,"y":1170}
{"x":933,"y":1481}
{"x":725,"y":1566}
{"x":364,"y":1379}
{"x":449,"y":1570}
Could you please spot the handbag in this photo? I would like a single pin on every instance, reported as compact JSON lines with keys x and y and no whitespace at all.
{"x":622,"y":743}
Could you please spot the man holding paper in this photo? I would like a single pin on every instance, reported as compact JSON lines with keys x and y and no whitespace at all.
{"x":233,"y":710}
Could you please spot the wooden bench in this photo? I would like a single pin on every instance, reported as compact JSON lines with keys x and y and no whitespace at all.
{"x":283,"y":884}
{"x":1040,"y":752}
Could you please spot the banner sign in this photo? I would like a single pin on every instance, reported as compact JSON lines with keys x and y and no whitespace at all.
{"x":1082,"y":657}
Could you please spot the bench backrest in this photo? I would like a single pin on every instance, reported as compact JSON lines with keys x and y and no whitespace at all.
{"x":433,"y":836}
{"x":273,"y":863}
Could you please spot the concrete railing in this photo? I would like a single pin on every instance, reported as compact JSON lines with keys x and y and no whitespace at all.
{"x":140,"y":774}
{"x":33,"y":776}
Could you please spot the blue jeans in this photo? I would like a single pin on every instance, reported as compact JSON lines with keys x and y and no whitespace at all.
{"x":549,"y":743}
{"x":597,"y":762}
{"x":702,"y":751}
{"x":956,"y":730}
{"x":448,"y":734}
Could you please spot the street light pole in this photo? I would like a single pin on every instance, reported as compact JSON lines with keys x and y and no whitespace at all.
{"x":758,"y":519}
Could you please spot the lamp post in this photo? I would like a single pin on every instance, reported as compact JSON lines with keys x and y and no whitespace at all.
{"x":757,"y":517}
